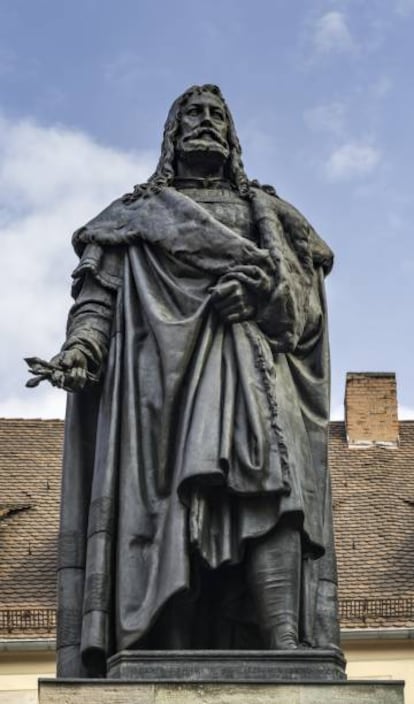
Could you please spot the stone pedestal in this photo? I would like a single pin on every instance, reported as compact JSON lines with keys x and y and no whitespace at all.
{"x":121,"y":692}
{"x":242,"y":666}
{"x":222,"y":677}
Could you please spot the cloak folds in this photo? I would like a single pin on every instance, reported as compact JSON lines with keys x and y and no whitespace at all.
{"x":200,"y":435}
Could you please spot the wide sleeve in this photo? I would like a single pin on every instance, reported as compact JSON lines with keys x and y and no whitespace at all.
{"x":97,"y":281}
{"x":292,"y":316}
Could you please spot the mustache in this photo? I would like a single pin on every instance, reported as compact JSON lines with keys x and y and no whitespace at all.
{"x":202,"y":131}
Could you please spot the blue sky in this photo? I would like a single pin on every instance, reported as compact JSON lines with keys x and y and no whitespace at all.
{"x":323,"y":102}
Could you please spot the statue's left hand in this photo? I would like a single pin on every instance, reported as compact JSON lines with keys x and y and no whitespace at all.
{"x":233,"y":301}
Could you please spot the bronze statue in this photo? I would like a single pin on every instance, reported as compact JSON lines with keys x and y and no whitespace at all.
{"x":195,"y":502}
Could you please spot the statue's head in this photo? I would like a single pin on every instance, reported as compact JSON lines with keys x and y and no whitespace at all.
{"x":199,"y":125}
{"x":202,"y":127}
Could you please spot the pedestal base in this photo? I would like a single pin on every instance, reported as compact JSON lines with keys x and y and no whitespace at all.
{"x":241,"y":666}
{"x":110,"y":692}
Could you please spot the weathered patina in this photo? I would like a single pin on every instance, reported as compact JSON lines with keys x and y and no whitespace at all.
{"x":196,"y":507}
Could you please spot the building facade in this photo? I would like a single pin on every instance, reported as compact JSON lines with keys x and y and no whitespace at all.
{"x":372,"y":468}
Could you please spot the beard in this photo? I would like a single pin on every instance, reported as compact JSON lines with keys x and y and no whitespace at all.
{"x":203,"y":142}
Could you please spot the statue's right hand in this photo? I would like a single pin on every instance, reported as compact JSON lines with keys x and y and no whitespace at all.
{"x":72,"y":370}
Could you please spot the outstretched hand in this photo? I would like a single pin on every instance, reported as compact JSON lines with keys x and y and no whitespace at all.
{"x":67,"y":370}
{"x":74,"y":366}
{"x":233,"y":301}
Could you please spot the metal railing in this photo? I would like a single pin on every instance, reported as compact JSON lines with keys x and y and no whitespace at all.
{"x":44,"y":620}
{"x":27,"y":620}
{"x":362,"y":609}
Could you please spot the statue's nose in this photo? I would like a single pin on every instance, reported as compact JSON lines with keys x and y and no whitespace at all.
{"x":206,"y":117}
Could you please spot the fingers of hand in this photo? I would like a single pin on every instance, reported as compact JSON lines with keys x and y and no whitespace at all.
{"x":72,"y":380}
{"x":69,"y":359}
{"x":76,"y":378}
{"x":231,"y":301}
{"x":238,"y":316}
{"x":226,"y":290}
{"x":57,"y":378}
{"x":229,"y":297}
{"x":73,"y":358}
{"x":56,"y":361}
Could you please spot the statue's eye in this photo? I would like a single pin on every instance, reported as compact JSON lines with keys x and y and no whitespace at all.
{"x":218,"y":114}
{"x":192,"y":111}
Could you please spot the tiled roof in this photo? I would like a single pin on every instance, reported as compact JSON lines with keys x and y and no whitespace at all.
{"x":373,"y":507}
{"x":373,"y":496}
{"x":30,"y":459}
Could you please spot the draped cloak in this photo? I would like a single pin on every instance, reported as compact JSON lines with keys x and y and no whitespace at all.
{"x":198,"y":435}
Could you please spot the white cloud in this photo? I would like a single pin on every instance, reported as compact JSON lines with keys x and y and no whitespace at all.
{"x":45,"y":402}
{"x":52,"y":180}
{"x":405,"y":413}
{"x":326,"y":118}
{"x":352,"y":160}
{"x":332,"y":34}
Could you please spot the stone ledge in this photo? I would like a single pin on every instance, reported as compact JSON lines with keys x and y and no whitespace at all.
{"x":110,"y":692}
{"x":241,"y":666}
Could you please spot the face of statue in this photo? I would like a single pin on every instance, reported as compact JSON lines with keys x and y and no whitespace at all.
{"x":203,"y":129}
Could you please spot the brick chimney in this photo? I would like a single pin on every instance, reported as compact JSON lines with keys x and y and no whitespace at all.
{"x":371,"y":416}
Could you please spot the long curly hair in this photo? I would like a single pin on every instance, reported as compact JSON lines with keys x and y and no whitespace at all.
{"x":165,"y":172}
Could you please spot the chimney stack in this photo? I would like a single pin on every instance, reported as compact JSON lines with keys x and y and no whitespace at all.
{"x":371,"y":416}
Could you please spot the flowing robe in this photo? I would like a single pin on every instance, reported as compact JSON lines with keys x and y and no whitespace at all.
{"x":199,"y":435}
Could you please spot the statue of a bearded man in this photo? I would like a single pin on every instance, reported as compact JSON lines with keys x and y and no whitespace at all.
{"x":196,"y":503}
